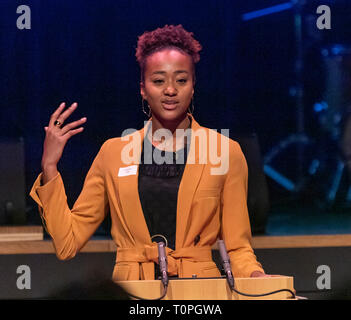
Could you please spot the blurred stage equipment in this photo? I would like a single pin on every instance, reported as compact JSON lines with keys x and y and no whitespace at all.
{"x":12,"y":182}
{"x":297,"y":88}
{"x":327,"y":157}
{"x":334,"y":111}
{"x":331,"y":111}
{"x":299,"y":160}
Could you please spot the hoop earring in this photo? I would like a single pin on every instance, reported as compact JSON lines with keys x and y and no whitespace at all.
{"x":143,"y":108}
{"x":191,"y":109}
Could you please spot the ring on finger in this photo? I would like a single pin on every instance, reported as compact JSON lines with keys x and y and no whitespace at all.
{"x":58,"y":123}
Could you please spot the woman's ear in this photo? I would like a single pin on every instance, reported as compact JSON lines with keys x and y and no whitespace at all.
{"x":142,"y":90}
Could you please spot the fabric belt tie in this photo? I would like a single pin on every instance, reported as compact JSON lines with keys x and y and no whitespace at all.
{"x":149,"y":253}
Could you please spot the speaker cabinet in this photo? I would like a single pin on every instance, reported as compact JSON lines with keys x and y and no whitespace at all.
{"x":12,"y":182}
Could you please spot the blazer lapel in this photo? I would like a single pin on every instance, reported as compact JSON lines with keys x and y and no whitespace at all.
{"x":130,"y":201}
{"x":190,"y":180}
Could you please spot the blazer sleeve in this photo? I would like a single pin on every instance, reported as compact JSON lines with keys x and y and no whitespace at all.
{"x":69,"y":228}
{"x":235,"y":228}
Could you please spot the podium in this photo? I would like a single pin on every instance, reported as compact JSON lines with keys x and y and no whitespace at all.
{"x":210,"y":288}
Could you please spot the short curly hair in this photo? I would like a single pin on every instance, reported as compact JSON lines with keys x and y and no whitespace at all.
{"x":169,"y":36}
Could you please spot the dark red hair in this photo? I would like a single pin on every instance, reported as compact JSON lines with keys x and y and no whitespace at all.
{"x":167,"y":37}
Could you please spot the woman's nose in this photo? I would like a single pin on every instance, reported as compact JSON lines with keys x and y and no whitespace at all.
{"x":170,"y":90}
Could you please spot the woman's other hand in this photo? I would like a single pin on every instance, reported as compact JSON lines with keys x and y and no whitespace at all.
{"x":260,"y":274}
{"x":56,"y":138}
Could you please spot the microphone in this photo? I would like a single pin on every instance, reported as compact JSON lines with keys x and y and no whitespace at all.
{"x":226,"y":264}
{"x":162,"y":261}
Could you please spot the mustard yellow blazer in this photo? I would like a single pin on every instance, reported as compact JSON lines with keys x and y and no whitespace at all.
{"x":208,"y":207}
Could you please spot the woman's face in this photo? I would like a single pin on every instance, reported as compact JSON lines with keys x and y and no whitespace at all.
{"x":168,"y":84}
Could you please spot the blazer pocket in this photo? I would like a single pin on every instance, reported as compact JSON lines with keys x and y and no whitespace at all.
{"x":202,"y":193}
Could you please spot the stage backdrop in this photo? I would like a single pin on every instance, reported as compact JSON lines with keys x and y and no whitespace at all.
{"x":84,"y":51}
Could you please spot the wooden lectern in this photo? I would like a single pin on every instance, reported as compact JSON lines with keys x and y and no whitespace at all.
{"x":210,"y":288}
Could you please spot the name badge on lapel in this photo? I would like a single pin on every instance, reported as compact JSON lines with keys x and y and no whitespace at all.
{"x":128,"y":171}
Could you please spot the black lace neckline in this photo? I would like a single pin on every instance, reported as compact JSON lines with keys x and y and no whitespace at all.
{"x":165,"y":169}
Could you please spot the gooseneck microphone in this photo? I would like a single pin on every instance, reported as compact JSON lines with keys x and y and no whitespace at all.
{"x":226,"y":263}
{"x":230,"y":278}
{"x":162,"y":261}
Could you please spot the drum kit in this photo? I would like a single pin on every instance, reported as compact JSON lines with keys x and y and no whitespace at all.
{"x":313,"y":165}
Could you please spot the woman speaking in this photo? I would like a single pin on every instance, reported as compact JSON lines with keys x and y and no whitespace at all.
{"x":182,"y":203}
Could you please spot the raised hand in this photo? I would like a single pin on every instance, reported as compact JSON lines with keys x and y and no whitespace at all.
{"x":56,"y":138}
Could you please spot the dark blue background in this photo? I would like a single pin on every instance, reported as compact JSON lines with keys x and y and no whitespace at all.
{"x":84,"y":51}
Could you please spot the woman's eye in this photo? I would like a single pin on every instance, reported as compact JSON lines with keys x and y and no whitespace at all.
{"x":160,"y":81}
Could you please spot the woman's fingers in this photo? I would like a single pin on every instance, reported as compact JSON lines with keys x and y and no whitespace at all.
{"x":68,"y":130}
{"x":57,"y":137}
{"x":60,"y":115}
{"x":72,"y":125}
{"x":63,"y":116}
{"x":56,"y":114}
{"x":73,"y":132}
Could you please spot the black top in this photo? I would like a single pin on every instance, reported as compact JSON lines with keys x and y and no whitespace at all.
{"x":158,"y":186}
